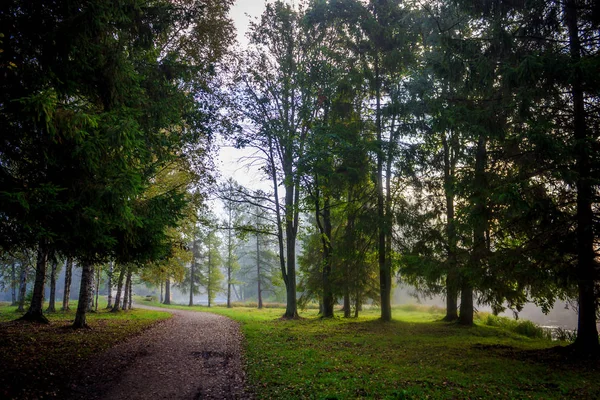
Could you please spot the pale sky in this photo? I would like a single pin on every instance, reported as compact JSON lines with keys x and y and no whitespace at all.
{"x":228,"y":162}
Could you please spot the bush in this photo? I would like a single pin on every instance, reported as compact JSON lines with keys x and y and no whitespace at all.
{"x":523,"y":327}
{"x":565,"y":335}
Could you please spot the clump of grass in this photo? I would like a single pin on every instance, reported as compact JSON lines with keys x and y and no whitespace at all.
{"x":565,"y":335}
{"x":522,"y":327}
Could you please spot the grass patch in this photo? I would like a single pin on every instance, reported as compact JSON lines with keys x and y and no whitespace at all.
{"x":36,"y":360}
{"x":522,"y":327}
{"x":414,"y":357}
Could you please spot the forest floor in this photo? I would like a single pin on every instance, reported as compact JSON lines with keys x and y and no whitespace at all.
{"x":37,"y":360}
{"x":124,"y":355}
{"x":416,"y":356}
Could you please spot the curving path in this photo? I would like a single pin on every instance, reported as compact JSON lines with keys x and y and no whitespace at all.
{"x":193,"y":355}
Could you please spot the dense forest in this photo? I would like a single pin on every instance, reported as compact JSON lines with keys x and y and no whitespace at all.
{"x":450,"y":145}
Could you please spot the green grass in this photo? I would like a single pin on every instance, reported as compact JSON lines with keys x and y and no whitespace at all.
{"x":36,"y":359}
{"x":414,"y":357}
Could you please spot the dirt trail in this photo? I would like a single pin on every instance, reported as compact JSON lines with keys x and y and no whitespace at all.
{"x":193,"y":355}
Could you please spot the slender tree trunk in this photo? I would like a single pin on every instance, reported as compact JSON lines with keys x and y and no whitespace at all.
{"x":451,"y":276}
{"x":385,"y":274}
{"x":87,"y":276}
{"x":130,"y":277}
{"x":209,"y":292}
{"x":167,"y":291}
{"x":587,"y":331}
{"x":13,"y":284}
{"x":479,"y":228}
{"x":117,"y":304}
{"x":229,"y":263}
{"x":22,"y":288}
{"x":357,"y":306}
{"x":35,"y":312}
{"x":52,"y":300}
{"x":68,"y":277}
{"x":328,"y":298}
{"x":161,"y":291}
{"x":347,"y":305}
{"x":127,"y":292}
{"x":258,"y":272}
{"x":109,"y":284}
{"x":192,"y":270}
{"x":90,"y":289}
{"x":98,"y":272}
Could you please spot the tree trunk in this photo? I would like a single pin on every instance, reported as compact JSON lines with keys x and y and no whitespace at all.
{"x":161,"y":291}
{"x":385,"y":273}
{"x":328,"y":299}
{"x":479,"y":228}
{"x":192,"y":271}
{"x":209,"y":283}
{"x":35,"y":312}
{"x":90,"y":290}
{"x":87,"y":276}
{"x":587,"y":331}
{"x":98,"y":271}
{"x":109,"y":284}
{"x":347,"y":305}
{"x":22,"y":288}
{"x":68,"y":277}
{"x":117,"y":304}
{"x":127,"y":292}
{"x":13,"y":284}
{"x":258,"y":273}
{"x":451,"y":276}
{"x":52,"y":300}
{"x":130,"y":278}
{"x":167,"y":291}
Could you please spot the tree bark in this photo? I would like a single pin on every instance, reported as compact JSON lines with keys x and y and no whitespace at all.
{"x":229,"y":256}
{"x":87,"y":276}
{"x":451,"y":275}
{"x":35,"y":312}
{"x":385,"y":273}
{"x":13,"y":284}
{"x":479,"y":229}
{"x":587,"y":331}
{"x":68,"y":277}
{"x":109,"y":284}
{"x":167,"y":291}
{"x":98,"y":271}
{"x":52,"y":300}
{"x":161,"y":291}
{"x":90,"y":290}
{"x":326,"y":235}
{"x":22,"y":288}
{"x":127,"y":292}
{"x":258,"y":272}
{"x":117,"y":304}
{"x":130,"y":276}
{"x":192,"y":270}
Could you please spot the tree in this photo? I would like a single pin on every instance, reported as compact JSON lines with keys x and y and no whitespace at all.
{"x":275,"y":101}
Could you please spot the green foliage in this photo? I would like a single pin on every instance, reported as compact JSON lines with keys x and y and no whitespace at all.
{"x":523,"y":327}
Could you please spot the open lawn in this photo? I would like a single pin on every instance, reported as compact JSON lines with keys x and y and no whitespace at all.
{"x":416,"y":356}
{"x":35,"y":359}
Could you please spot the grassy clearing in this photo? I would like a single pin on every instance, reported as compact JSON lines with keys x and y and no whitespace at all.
{"x":415,"y":357}
{"x":35,"y":360}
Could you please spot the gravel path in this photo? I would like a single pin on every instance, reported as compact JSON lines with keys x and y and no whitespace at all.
{"x":193,"y":355}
